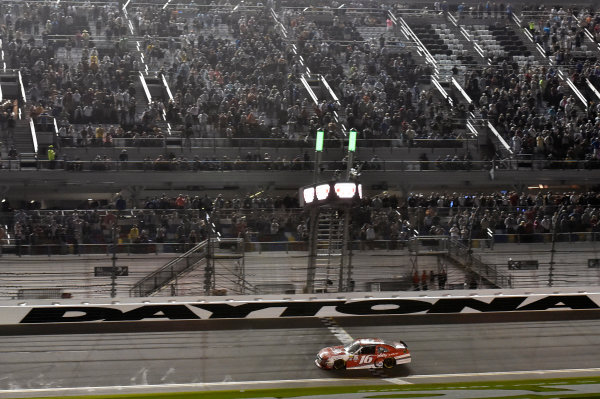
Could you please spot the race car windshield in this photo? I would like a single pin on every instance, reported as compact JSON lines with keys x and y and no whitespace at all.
{"x":353,"y":347}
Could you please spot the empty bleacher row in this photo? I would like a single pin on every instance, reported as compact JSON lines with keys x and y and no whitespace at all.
{"x":446,"y":48}
{"x":500,"y":43}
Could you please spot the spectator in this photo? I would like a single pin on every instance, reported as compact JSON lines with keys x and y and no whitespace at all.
{"x":12,"y":153}
{"x":416,"y":281}
{"x":120,"y":204}
{"x":442,"y":278}
{"x":134,"y":234}
{"x":51,"y":157}
{"x":424,"y":280}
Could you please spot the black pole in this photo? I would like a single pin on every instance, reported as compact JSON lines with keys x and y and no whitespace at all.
{"x":113,"y":274}
{"x":553,"y":249}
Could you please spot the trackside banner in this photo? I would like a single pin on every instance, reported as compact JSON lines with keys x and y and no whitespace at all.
{"x":315,"y":307}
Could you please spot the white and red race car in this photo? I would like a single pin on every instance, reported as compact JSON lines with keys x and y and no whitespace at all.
{"x":364,"y":353}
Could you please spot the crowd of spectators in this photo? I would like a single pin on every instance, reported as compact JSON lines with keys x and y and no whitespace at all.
{"x":556,"y":30}
{"x":185,"y":220}
{"x":531,"y":107}
{"x":384,"y":92}
{"x":246,"y":85}
{"x":480,"y":216}
{"x":79,"y":72}
{"x":590,"y":19}
{"x":531,"y":104}
{"x":506,"y":212}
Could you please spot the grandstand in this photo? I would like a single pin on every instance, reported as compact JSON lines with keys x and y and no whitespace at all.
{"x":134,"y":132}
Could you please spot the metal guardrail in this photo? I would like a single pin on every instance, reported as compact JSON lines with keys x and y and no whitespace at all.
{"x":428,"y":245}
{"x":182,"y":163}
{"x":540,"y":238}
{"x":178,"y":140}
{"x":170,"y":271}
{"x":40,"y":293}
{"x":483,"y":244}
{"x":11,"y":247}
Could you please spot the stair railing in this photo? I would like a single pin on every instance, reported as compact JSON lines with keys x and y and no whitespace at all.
{"x":170,"y":271}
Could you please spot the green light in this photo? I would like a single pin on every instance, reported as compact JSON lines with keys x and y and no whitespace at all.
{"x":320,"y":138}
{"x":352,"y":140}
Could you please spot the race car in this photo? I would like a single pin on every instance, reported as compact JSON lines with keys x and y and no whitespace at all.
{"x":364,"y":353}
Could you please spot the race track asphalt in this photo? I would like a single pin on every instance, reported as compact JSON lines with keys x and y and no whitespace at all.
{"x":246,"y":351}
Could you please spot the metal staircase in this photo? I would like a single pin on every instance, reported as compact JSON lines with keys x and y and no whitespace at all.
{"x":462,"y":255}
{"x":169,"y":273}
{"x":213,"y":267}
{"x":329,"y":255}
{"x":22,"y":139}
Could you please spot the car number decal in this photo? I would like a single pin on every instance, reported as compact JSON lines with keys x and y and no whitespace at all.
{"x":366,"y":359}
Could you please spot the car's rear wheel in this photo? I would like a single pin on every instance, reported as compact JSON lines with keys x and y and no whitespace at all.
{"x":389,"y":363}
{"x":339,"y":364}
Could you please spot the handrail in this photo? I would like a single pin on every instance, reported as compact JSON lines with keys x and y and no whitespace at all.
{"x":172,"y":271}
{"x":145,"y":86}
{"x":22,"y":87}
{"x":505,"y":146}
{"x":410,"y":32}
{"x":33,"y":136}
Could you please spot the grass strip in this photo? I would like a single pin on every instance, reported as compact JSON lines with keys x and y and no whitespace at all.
{"x":539,"y":388}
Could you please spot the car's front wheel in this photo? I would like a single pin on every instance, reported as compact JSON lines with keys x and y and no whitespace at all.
{"x":389,"y":363}
{"x":339,"y":364}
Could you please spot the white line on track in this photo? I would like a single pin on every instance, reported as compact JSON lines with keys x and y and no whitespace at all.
{"x":338,"y":331}
{"x":493,"y":373}
{"x":298,"y":381}
{"x":397,"y":381}
{"x":166,"y":386}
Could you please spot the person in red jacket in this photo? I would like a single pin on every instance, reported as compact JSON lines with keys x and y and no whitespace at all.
{"x":416,"y":281}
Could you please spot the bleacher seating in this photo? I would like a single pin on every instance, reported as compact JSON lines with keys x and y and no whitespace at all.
{"x":232,"y":88}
